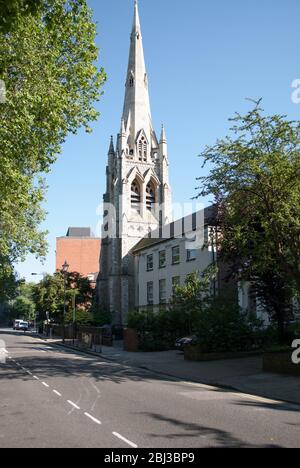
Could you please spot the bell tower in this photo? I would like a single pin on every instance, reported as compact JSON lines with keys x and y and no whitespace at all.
{"x":137,"y":186}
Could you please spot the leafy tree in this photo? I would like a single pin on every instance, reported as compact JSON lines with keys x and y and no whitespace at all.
{"x":159,"y":330}
{"x":23,"y":305}
{"x":23,"y":308}
{"x":255,"y":181}
{"x":8,"y":282}
{"x":82,"y":317}
{"x":223,"y":327}
{"x":12,"y":10}
{"x":190,"y":299}
{"x":49,"y":295}
{"x":48,"y":67}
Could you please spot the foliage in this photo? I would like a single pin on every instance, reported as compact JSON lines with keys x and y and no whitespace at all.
{"x":23,"y":305}
{"x":23,"y":308}
{"x":159,"y":330}
{"x":8,"y":282}
{"x":82,"y":317}
{"x":101,"y":318}
{"x":255,"y":180}
{"x":49,"y":295}
{"x":48,"y":67}
{"x":190,"y":299}
{"x":13,"y":10}
{"x":222,"y":327}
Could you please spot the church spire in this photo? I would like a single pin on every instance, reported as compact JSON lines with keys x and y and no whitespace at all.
{"x":163,"y":137}
{"x":136,"y":112}
{"x":111,"y":146}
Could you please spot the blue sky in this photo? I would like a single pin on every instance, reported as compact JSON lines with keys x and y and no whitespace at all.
{"x":203,"y":58}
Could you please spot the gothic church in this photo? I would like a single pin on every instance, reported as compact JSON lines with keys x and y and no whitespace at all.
{"x":137,"y":187}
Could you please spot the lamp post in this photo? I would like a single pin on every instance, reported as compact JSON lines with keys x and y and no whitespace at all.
{"x":37,"y":313}
{"x":65,"y":268}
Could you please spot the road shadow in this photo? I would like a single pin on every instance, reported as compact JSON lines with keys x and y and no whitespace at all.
{"x":215,"y":437}
{"x":63,"y":364}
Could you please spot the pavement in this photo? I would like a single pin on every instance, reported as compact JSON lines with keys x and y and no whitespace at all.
{"x":244,"y":374}
{"x":52,"y":396}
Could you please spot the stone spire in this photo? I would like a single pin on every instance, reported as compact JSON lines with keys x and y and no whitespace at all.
{"x":163,"y":137}
{"x":136,"y":112}
{"x":111,"y":146}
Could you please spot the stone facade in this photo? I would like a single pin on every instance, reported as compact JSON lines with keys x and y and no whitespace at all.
{"x":138,"y":195}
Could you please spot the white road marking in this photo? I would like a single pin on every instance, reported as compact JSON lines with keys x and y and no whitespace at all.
{"x":116,"y":434}
{"x":45,"y":384}
{"x":93,"y":419}
{"x":73,"y":404}
{"x":28,"y":372}
{"x":57,"y":393}
{"x":35,"y":377}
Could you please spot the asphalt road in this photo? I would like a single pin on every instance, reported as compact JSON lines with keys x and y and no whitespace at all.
{"x":52,"y":397}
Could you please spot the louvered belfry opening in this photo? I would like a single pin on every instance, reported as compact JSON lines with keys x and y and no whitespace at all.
{"x":135,"y":196}
{"x":150,"y":196}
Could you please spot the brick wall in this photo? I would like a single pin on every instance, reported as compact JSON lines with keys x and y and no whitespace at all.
{"x":82,"y":254}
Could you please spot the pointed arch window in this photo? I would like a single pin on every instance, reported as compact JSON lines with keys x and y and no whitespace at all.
{"x":150,"y":196}
{"x":135,"y":196}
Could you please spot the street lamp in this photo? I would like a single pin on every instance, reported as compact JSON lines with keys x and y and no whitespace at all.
{"x":65,"y":268}
{"x":37,"y":313}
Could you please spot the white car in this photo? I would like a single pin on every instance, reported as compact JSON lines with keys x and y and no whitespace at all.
{"x":23,"y":326}
{"x":16,"y":324}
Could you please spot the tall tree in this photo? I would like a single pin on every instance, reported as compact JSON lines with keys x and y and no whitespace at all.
{"x":49,"y":294}
{"x":255,"y":181}
{"x":48,"y":67}
{"x":12,"y":10}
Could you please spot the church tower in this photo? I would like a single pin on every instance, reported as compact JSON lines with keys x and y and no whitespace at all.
{"x":138,"y":195}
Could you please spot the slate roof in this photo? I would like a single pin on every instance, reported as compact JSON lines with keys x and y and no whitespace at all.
{"x":158,"y":236}
{"x":79,"y":232}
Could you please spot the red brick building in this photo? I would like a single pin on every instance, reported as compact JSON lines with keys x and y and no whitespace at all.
{"x":81,"y":251}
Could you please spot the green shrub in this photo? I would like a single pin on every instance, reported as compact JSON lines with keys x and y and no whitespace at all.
{"x":222,"y":327}
{"x":83,"y":317}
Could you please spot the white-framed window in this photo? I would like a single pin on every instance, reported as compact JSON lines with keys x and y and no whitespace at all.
{"x":191,"y":255}
{"x":162,"y":259}
{"x":150,"y":262}
{"x":150,"y":293}
{"x":176,"y":255}
{"x":162,"y":291}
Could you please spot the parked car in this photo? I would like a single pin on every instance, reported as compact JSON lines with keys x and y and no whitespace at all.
{"x":23,"y":326}
{"x":16,"y":324}
{"x":181,"y":343}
